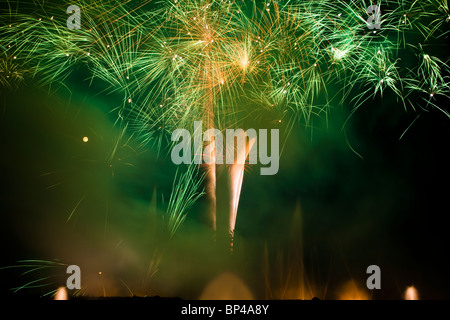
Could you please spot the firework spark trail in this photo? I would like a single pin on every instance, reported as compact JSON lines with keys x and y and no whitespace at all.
{"x":178,"y":50}
{"x":184,"y":61}
{"x":185,"y":192}
{"x":236,"y":179}
{"x":44,"y":273}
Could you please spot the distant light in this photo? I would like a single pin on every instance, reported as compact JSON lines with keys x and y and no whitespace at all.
{"x":85,"y":139}
{"x":61,"y":294}
{"x":411,"y":293}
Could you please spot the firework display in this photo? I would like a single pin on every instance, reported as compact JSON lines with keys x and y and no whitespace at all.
{"x":115,"y":85}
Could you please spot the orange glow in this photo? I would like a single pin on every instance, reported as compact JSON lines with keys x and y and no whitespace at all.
{"x":411,"y":293}
{"x":244,"y":63}
{"x":61,"y":294}
{"x":85,"y":139}
{"x":226,"y":286}
{"x":351,"y":291}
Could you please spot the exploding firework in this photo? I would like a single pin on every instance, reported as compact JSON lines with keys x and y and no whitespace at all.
{"x":188,"y":60}
{"x":231,"y":62}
